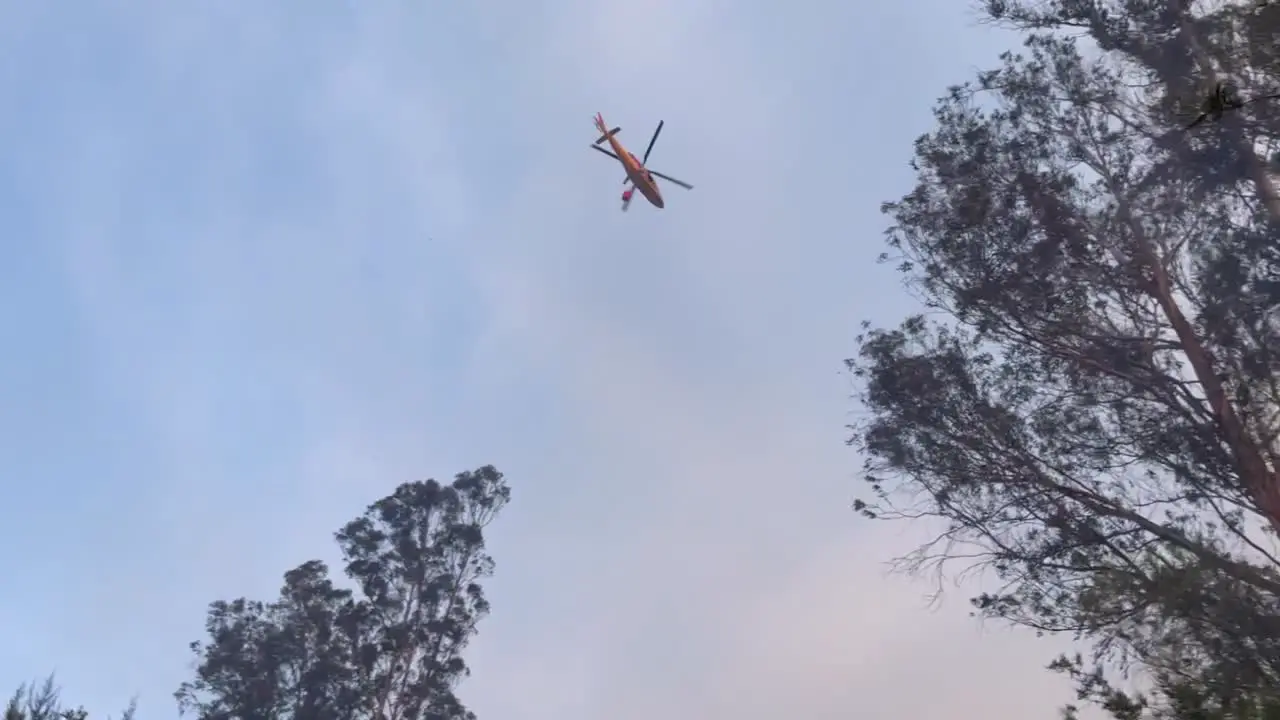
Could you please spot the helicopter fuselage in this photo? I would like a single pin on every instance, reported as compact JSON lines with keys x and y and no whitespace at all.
{"x":636,"y":172}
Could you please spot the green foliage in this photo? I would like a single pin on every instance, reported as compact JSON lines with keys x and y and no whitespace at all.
{"x":1089,"y":406}
{"x":44,"y":702}
{"x":391,"y":650}
{"x":1172,"y":696}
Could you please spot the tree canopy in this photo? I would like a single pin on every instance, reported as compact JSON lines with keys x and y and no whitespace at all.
{"x":1088,"y":404}
{"x":43,"y":701}
{"x":385,"y":643}
{"x":389,"y":649}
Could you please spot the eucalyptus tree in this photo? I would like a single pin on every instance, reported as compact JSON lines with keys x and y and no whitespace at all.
{"x":391,"y":648}
{"x":1089,"y":404}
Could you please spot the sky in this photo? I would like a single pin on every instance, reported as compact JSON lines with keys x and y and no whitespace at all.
{"x":264,"y":262}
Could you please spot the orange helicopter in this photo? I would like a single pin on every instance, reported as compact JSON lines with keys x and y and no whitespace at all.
{"x":637,"y":174}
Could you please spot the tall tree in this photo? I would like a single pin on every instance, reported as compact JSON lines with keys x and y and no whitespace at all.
{"x":390,"y":650}
{"x":1090,"y":405}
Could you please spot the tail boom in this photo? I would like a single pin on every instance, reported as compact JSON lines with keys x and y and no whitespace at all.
{"x":603,"y":128}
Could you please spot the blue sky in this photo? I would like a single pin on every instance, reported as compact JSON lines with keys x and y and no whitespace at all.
{"x":264,"y":262}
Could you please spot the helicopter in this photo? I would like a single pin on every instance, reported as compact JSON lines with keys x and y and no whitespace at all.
{"x":639,"y":176}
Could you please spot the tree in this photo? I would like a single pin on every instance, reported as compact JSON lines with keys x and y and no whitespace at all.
{"x":390,"y":650}
{"x":1090,"y":405}
{"x":44,"y":702}
{"x":1169,"y":698}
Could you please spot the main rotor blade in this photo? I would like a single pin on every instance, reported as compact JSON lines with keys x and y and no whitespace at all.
{"x":597,"y":148}
{"x":668,"y":178}
{"x":652,"y":140}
